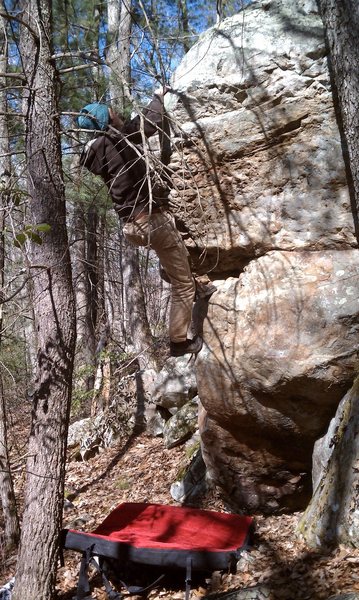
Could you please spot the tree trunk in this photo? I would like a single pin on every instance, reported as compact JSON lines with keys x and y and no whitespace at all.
{"x":102,"y":380}
{"x":332,"y":516}
{"x":54,"y":314}
{"x":341,"y":22}
{"x":118,"y":57}
{"x":88,"y":283}
{"x":7,"y":496}
{"x":92,"y":282}
{"x":138,"y":325}
{"x":85,"y":350}
{"x":184,"y":23}
{"x":118,"y":51}
{"x":11,"y":521}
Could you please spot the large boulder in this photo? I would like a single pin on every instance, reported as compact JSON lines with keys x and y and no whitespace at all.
{"x":261,"y":195}
{"x":258,"y":138}
{"x":281,"y":349}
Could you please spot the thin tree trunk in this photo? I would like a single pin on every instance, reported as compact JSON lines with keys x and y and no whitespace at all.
{"x":11,"y":521}
{"x":118,"y":51}
{"x":102,"y":382}
{"x":119,"y":19}
{"x":80,"y":279}
{"x":139,"y":328}
{"x":183,"y":18}
{"x":54,"y":313}
{"x":7,"y":495}
{"x":86,"y":280}
{"x":92,"y":281}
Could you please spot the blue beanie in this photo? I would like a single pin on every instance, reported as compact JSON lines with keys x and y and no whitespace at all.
{"x":98,"y":120}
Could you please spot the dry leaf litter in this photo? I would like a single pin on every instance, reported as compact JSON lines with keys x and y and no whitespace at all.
{"x":140,"y":469}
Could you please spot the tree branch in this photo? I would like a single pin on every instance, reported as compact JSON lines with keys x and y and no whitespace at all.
{"x":91,"y":55}
{"x":9,"y":17}
{"x":77,"y":68}
{"x":14,"y":75}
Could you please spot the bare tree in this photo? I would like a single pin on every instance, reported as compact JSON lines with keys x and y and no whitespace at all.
{"x":7,"y":495}
{"x":184,"y":24}
{"x":119,"y":19}
{"x":119,"y":51}
{"x":54,"y":313}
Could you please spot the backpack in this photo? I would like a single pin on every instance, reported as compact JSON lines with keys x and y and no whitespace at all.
{"x":162,"y":536}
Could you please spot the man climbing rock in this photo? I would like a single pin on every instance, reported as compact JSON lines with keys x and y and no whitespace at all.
{"x":140,"y":197}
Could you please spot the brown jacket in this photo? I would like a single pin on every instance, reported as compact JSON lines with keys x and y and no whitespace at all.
{"x":117,"y":157}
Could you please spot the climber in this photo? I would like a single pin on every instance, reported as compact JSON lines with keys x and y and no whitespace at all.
{"x":140,"y":197}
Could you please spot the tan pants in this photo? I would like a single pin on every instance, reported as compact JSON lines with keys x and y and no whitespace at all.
{"x":159,"y":232}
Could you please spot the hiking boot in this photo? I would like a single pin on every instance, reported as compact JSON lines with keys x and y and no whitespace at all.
{"x":204,"y":290}
{"x":187,"y":347}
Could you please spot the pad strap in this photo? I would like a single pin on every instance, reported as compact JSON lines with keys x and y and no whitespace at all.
{"x":188,"y":577}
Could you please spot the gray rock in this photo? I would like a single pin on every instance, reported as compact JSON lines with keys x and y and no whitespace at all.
{"x":191,"y":483}
{"x":253,"y":99}
{"x":281,"y":348}
{"x":332,"y":516}
{"x":260,"y":191}
{"x":182,"y":425}
{"x":77,"y":431}
{"x":6,"y":590}
{"x":146,"y":382}
{"x":68,"y":505}
{"x":155,"y":422}
{"x":175,"y":384}
{"x":87,"y":436}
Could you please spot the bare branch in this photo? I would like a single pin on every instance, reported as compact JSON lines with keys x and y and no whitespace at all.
{"x":10,"y":17}
{"x":13,"y":75}
{"x":91,"y":55}
{"x":77,"y":68}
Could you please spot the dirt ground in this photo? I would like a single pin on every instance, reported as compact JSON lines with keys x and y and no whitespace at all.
{"x":141,"y":469}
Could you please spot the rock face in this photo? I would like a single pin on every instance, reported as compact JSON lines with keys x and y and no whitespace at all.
{"x":260,"y":192}
{"x":175,"y":384}
{"x":254,"y":112}
{"x":332,"y":516}
{"x":182,"y":425}
{"x":281,"y":349}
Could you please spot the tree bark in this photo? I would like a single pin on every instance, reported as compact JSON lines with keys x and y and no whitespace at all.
{"x":8,"y":501}
{"x":341,"y":22}
{"x":54,"y":314}
{"x":138,"y":325}
{"x":184,"y":23}
{"x":7,"y":495}
{"x":118,"y":51}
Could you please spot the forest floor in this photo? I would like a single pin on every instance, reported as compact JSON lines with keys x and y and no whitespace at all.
{"x":141,"y":469}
